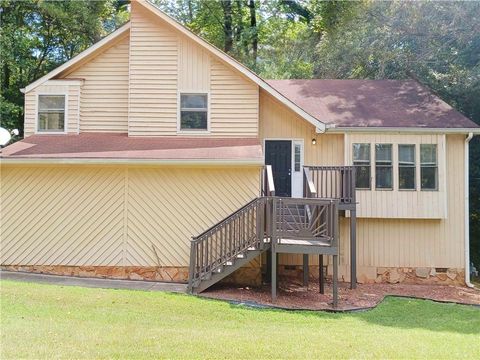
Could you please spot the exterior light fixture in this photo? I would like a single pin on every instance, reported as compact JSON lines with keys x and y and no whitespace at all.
{"x":314,"y":141}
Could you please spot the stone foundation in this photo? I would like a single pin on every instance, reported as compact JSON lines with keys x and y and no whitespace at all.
{"x":154,"y":273}
{"x":391,"y":275}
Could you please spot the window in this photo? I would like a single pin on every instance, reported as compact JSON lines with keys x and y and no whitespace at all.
{"x":361,"y":161}
{"x":297,"y":157}
{"x":194,"y":112}
{"x":406,"y":167}
{"x":383,"y":166}
{"x":51,"y":113}
{"x":428,"y":167}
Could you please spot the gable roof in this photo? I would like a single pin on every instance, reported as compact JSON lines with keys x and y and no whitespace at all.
{"x":209,"y":47}
{"x":373,"y":103}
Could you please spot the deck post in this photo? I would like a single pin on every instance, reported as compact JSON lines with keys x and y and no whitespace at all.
{"x":335,"y":280}
{"x":274,"y":272}
{"x":305,"y":269}
{"x":353,"y":249}
{"x":321,"y":277}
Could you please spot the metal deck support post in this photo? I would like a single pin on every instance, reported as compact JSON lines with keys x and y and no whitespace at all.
{"x":353,"y":249}
{"x":335,"y":280}
{"x":321,"y":275}
{"x":305,"y":269}
{"x":274,"y":273}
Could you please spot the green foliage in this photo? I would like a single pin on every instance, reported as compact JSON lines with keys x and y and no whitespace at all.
{"x":38,"y":35}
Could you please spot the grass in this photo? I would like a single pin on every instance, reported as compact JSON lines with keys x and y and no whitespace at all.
{"x":47,"y":321}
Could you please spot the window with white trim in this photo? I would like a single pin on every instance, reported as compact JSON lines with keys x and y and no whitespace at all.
{"x":51,"y":113}
{"x":193,"y":112}
{"x":383,"y":166}
{"x":428,"y":167}
{"x":297,"y":157}
{"x":361,"y":161}
{"x":406,"y":166}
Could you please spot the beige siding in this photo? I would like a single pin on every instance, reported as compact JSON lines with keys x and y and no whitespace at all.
{"x":164,"y":63}
{"x":153,"y":76}
{"x":193,"y":67}
{"x":104,"y":99}
{"x":71,"y":116}
{"x":234,"y":103}
{"x":408,"y":204}
{"x":381,"y":242}
{"x":116,"y":215}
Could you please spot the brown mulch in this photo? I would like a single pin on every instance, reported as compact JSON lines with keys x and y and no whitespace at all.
{"x":293,"y":295}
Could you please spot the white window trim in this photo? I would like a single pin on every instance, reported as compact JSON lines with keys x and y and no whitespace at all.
{"x":179,"y":106}
{"x":65,"y":123}
{"x":397,"y":162}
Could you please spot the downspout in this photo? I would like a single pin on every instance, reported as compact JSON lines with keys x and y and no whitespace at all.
{"x":467,"y":213}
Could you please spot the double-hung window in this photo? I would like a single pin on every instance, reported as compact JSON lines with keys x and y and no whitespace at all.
{"x":51,"y":113}
{"x":361,"y":161}
{"x":406,"y":167}
{"x":428,"y":167}
{"x":194,"y":112}
{"x":383,"y":166}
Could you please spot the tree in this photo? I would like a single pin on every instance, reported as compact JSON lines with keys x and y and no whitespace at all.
{"x":37,"y":36}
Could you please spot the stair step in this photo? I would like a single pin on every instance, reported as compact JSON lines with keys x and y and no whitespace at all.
{"x":252,"y":248}
{"x":229,"y":263}
{"x":240,"y":256}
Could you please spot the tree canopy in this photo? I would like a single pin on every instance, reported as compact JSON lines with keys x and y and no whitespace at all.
{"x":436,"y":43}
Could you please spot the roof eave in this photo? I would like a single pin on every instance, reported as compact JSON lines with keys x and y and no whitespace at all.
{"x":421,"y":130}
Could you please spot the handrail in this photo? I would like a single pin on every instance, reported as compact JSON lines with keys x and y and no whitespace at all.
{"x":269,"y":183}
{"x":333,"y":182}
{"x":309,"y":187}
{"x":227,"y":239}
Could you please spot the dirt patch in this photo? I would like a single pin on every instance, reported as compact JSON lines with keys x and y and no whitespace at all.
{"x":295,"y":296}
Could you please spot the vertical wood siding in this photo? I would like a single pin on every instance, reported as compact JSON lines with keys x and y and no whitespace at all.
{"x":381,"y":242}
{"x":114,"y":216}
{"x":72,"y":106}
{"x":408,"y":204}
{"x":104,"y":98}
{"x":194,"y":67}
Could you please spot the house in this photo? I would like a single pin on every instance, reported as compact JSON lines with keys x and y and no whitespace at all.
{"x":152,"y":135}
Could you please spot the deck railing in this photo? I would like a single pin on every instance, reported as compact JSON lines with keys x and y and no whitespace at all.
{"x":306,"y":219}
{"x":243,"y":229}
{"x":336,"y":182}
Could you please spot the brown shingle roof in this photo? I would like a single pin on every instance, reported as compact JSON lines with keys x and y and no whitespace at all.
{"x":372,"y":103}
{"x":120,"y":146}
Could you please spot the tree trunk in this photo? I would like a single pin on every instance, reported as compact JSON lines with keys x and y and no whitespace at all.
{"x":253,"y":26}
{"x":227,"y":25}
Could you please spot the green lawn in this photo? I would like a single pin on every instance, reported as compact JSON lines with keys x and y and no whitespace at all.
{"x":46,"y":321}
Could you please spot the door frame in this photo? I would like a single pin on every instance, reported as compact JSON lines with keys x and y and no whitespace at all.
{"x":296,"y":177}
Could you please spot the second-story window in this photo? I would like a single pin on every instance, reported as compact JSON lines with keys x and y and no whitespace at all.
{"x":51,"y":113}
{"x":194,"y":112}
{"x":428,"y":167}
{"x":383,"y":166}
{"x":361,"y":161}
{"x":406,"y":167}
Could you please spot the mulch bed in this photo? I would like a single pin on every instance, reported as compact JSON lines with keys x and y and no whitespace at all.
{"x":292,"y":295}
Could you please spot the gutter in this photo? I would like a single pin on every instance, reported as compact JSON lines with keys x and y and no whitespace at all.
{"x":418,"y":130}
{"x":467,"y":214}
{"x":106,"y":161}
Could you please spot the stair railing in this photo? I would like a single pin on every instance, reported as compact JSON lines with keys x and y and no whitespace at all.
{"x":224,"y":241}
{"x":337,"y":182}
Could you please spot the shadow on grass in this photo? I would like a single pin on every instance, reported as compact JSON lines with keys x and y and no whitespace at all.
{"x":401,"y":313}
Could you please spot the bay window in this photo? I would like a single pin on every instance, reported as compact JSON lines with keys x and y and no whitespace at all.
{"x":406,"y":167}
{"x":361,"y":161}
{"x":428,"y":167}
{"x":383,"y":166}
